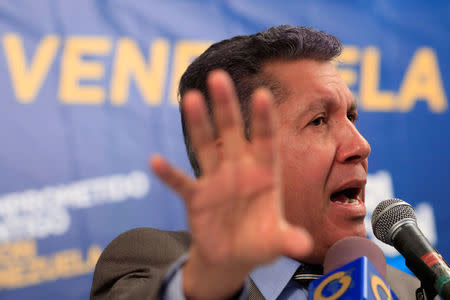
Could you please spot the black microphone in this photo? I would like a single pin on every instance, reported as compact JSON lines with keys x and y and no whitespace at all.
{"x":394,"y":223}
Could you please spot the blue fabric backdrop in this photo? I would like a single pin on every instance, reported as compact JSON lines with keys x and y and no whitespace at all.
{"x":88,"y":93}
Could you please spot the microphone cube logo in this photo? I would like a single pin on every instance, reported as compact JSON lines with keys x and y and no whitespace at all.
{"x":356,"y":280}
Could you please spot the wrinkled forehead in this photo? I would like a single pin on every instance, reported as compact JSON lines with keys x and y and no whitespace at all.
{"x":307,"y":78}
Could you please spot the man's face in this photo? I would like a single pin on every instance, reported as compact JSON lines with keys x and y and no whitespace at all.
{"x":323,"y":156}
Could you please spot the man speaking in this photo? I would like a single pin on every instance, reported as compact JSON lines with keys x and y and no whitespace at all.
{"x":281,"y":168}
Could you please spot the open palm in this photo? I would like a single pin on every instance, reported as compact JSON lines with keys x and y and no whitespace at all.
{"x":235,"y":209}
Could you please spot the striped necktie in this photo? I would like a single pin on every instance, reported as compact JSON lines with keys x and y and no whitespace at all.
{"x":307,"y":273}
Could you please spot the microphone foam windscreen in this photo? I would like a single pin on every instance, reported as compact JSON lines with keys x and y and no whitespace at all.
{"x":387,"y":215}
{"x":351,"y":248}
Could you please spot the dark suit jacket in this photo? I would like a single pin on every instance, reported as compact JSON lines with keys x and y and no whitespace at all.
{"x":135,"y":263}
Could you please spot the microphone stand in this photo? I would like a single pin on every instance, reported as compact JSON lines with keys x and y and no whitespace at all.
{"x":425,"y":294}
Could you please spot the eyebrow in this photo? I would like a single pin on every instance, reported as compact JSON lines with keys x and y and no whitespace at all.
{"x":327,"y":104}
{"x":320,"y":104}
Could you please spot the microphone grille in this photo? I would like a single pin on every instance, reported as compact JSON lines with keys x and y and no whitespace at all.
{"x":388,"y":216}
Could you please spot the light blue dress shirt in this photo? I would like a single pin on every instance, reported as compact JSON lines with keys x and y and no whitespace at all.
{"x":273,"y":280}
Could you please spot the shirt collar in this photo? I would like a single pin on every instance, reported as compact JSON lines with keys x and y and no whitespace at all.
{"x":271,"y":279}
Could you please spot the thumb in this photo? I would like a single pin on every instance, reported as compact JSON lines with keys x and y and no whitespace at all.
{"x":295,"y":241}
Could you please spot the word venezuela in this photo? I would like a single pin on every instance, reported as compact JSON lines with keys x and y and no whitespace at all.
{"x":92,"y":70}
{"x":21,"y":265}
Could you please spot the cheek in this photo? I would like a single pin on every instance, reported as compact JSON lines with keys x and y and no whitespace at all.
{"x":308,"y":164}
{"x":305,"y":202}
{"x":305,"y":168}
{"x":298,"y":213}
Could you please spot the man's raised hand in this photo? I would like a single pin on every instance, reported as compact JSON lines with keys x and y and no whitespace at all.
{"x":235,"y":208}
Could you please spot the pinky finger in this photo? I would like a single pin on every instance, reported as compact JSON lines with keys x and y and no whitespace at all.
{"x":176,"y":179}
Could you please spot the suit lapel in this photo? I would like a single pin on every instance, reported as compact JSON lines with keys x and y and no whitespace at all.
{"x":254,"y":293}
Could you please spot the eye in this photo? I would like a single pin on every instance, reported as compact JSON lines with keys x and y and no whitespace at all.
{"x":318,"y":121}
{"x":352,"y":116}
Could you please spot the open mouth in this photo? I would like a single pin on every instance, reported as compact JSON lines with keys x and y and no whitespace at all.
{"x":349,"y":196}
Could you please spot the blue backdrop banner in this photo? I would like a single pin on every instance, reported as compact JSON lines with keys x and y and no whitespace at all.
{"x":88,"y":92}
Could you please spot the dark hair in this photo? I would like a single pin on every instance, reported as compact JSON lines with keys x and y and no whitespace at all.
{"x":243,"y":57}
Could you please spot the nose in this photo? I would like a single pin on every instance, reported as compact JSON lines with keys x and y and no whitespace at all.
{"x":353,"y":147}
